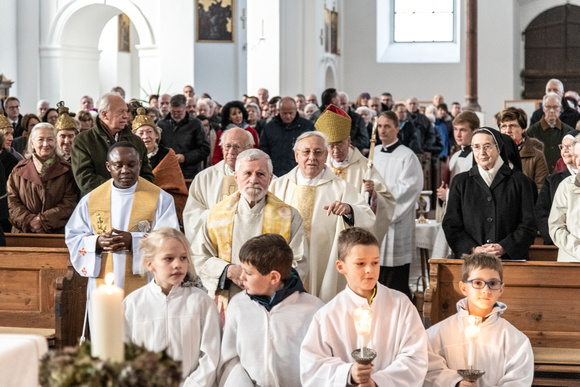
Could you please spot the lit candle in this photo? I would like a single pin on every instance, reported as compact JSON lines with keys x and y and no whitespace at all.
{"x":471,"y":334}
{"x":107,"y":322}
{"x":363,"y":318}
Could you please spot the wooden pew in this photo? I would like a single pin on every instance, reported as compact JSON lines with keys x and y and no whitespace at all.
{"x":29,"y":278}
{"x":543,"y":303}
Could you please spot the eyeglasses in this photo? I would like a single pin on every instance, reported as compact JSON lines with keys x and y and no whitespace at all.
{"x":480,"y":284}
{"x":562,"y":146}
{"x":308,"y":152}
{"x":485,"y":147}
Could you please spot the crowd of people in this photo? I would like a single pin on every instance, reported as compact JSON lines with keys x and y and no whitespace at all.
{"x":290,"y":201}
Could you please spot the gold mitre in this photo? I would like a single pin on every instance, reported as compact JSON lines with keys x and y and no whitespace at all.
{"x":64,"y":121}
{"x":142,"y":119}
{"x":4,"y":123}
{"x":335,"y":123}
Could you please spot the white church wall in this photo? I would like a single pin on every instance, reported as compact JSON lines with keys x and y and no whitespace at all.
{"x":9,"y":47}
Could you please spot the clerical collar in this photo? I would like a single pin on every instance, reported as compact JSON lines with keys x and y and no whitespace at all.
{"x":340,"y":164}
{"x":302,"y":180}
{"x":228,"y":171}
{"x":391,"y":147}
{"x":465,"y":151}
{"x":124,"y":191}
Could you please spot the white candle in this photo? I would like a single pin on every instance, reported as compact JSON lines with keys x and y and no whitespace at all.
{"x":107,"y":322}
{"x":471,"y":334}
{"x":363,"y":318}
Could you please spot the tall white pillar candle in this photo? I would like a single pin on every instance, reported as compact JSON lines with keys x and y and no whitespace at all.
{"x":107,"y":322}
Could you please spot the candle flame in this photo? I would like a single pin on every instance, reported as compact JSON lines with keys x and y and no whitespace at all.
{"x":471,"y":320}
{"x":363,"y":318}
{"x":109,"y":278}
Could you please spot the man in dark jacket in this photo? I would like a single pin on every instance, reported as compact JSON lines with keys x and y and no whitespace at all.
{"x":359,"y":135}
{"x":278,"y":136}
{"x":568,"y":115}
{"x":185,"y":135}
{"x":89,"y":152}
{"x":429,"y":137}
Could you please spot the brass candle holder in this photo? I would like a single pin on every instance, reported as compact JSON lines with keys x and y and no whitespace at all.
{"x":471,"y":375}
{"x":364,"y":355}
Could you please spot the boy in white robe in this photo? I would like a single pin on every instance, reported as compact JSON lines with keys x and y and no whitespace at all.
{"x":397,"y":334}
{"x":266,"y":324}
{"x":502,"y":351}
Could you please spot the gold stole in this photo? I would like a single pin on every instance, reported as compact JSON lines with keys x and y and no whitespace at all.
{"x":229,"y":186}
{"x":303,"y":199}
{"x":340,"y":171}
{"x":277,"y":219}
{"x":141,"y":219}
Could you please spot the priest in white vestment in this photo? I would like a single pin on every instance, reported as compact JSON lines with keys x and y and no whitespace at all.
{"x":212,"y":184}
{"x":246,"y":213}
{"x":346,"y":162}
{"x":327,"y":204}
{"x":104,"y":231}
{"x":403,"y":174}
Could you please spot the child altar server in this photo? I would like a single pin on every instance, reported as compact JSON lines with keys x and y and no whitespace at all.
{"x":170,"y":313}
{"x":499,"y":349}
{"x":265,"y":324}
{"x":396,"y":332}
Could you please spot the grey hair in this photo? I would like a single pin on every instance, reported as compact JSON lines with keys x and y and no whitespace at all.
{"x":552,"y":95}
{"x":252,"y":155}
{"x":32,"y":136}
{"x":346,"y":95}
{"x":559,"y":82}
{"x":104,"y":103}
{"x":313,"y":133}
{"x":255,"y":106}
{"x":42,"y":101}
{"x":362,"y":108}
{"x":250,"y":137}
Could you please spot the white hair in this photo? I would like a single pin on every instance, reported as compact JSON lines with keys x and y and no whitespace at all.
{"x":313,"y":133}
{"x":32,"y":136}
{"x":552,"y":95}
{"x":225,"y":134}
{"x":559,"y":82}
{"x":252,"y":155}
{"x":255,"y":106}
{"x":104,"y":103}
{"x":42,"y":102}
{"x":361,"y":109}
{"x":343,"y":93}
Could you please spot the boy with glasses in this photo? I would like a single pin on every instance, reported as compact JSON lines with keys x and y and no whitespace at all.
{"x":503,"y":352}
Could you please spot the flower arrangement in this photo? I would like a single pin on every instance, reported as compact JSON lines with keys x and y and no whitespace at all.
{"x":74,"y":366}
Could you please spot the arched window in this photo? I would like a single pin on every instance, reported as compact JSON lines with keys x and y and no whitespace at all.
{"x":418,"y":31}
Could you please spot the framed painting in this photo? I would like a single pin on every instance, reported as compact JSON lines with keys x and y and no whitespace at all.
{"x":124,"y":33}
{"x":215,"y":21}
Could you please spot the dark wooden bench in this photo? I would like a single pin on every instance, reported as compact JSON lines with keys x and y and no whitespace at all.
{"x":543,"y":303}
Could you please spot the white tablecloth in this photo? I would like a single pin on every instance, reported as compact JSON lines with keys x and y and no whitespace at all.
{"x":425,"y":234}
{"x":19,"y":359}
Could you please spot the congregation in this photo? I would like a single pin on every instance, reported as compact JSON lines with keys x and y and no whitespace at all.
{"x":289,"y":212}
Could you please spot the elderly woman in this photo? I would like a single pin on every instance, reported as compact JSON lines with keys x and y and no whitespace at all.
{"x":490,"y":207}
{"x":166,"y":170}
{"x":28,"y":122}
{"x":234,"y":114}
{"x":513,"y":122}
{"x":42,"y":193}
{"x":563,"y":220}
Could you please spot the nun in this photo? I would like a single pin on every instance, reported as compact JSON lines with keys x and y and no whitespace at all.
{"x":491,"y":206}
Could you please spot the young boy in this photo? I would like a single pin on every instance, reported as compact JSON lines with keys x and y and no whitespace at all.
{"x":266,"y":324}
{"x":503,"y":352}
{"x":397,"y":334}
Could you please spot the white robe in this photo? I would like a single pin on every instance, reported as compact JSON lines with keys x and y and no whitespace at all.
{"x":264,"y":347}
{"x":324,"y":281}
{"x":185,"y":322}
{"x":205,"y":191}
{"x":397,"y":335}
{"x":502,"y":351}
{"x":403,"y":174}
{"x":81,"y":238}
{"x":247,"y":224}
{"x":563,"y":220}
{"x":385,"y":201}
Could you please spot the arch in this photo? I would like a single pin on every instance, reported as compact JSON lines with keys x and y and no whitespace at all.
{"x":330,"y":76}
{"x":71,"y":14}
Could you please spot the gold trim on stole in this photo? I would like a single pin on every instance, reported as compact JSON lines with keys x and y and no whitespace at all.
{"x":229,"y":186}
{"x":142,"y":216}
{"x":340,"y":171}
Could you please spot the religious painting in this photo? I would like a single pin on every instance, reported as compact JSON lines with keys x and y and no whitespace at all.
{"x":124,"y":33}
{"x":215,"y":21}
{"x":331,"y":31}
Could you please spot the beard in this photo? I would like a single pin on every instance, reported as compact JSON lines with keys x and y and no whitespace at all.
{"x":253,"y":193}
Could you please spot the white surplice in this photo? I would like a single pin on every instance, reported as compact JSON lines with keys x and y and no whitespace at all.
{"x":397,"y":335}
{"x":502,"y":351}
{"x":385,"y":201}
{"x":403,"y":174}
{"x":82,"y":240}
{"x":205,"y":192}
{"x":264,"y":346}
{"x":324,"y":281}
{"x":247,"y":224}
{"x":185,"y":322}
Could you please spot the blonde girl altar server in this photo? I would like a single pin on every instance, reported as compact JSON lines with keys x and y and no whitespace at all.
{"x":171,"y":313}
